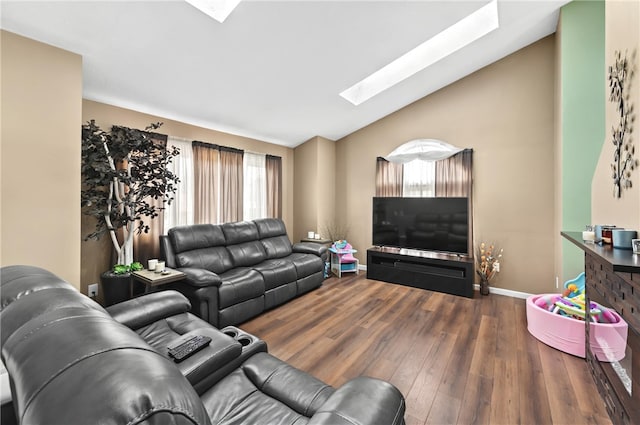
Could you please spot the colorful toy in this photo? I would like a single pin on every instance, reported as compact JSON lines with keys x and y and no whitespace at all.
{"x":575,"y":307}
{"x":572,"y":303}
{"x":574,"y":287}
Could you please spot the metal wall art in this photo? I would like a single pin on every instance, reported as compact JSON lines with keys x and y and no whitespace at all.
{"x":620,"y":76}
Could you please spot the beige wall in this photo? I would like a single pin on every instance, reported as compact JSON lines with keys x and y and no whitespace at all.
{"x":622,"y":26}
{"x":505,"y":112}
{"x":304,"y":200}
{"x":40,"y":156}
{"x":314,"y":199}
{"x":326,"y":183}
{"x":95,"y":254}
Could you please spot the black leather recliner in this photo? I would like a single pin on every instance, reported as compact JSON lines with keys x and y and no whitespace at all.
{"x":235,"y":271}
{"x":71,"y":362}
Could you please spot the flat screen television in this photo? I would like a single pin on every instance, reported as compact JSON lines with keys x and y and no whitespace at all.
{"x":430,"y":224}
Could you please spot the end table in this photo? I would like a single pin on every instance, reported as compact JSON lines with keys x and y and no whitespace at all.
{"x":150,"y":278}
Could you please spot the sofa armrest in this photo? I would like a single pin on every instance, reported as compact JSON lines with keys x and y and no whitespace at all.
{"x":144,"y":310}
{"x":200,"y":278}
{"x":203,"y":368}
{"x":361,"y":401}
{"x":166,"y":252}
{"x":297,"y":389}
{"x":310,"y":248}
{"x":204,"y":300}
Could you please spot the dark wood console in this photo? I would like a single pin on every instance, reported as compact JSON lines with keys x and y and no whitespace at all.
{"x":613,"y":280}
{"x":452,"y":274}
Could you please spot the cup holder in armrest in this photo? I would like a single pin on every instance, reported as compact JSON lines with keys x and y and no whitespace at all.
{"x":244,"y":340}
{"x":248,"y":341}
{"x":232,"y":332}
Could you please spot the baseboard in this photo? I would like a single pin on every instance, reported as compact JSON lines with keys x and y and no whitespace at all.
{"x":506,"y":292}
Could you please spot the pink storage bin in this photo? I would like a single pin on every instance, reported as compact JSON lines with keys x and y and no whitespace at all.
{"x":608,"y":340}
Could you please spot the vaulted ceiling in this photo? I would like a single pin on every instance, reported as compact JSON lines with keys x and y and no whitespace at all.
{"x":274,"y":69}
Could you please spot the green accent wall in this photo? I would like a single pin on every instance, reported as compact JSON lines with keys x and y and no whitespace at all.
{"x":582,"y":26}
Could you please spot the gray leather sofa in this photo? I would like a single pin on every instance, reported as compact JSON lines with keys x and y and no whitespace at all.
{"x":72,"y":362}
{"x":235,"y":271}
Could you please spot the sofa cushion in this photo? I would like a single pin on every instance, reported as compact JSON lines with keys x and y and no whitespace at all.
{"x":200,"y":246}
{"x":247,"y":253}
{"x":239,"y":284}
{"x":40,"y":301}
{"x":14,"y":276}
{"x":276,"y":272}
{"x":277,"y":246}
{"x":164,"y":332}
{"x":306,"y":264}
{"x":242,"y":231}
{"x":195,"y":236}
{"x":273,"y":235}
{"x":270,"y":227}
{"x":171,"y":330}
{"x":215,"y":259}
{"x":243,"y":244}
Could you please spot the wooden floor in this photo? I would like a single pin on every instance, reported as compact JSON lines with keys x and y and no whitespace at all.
{"x":456,"y":360}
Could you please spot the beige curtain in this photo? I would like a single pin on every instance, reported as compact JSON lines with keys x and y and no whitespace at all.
{"x":388,"y":178}
{"x":231,"y":173}
{"x":454,"y":175}
{"x":273,"y":167}
{"x":454,"y":178}
{"x":206,"y":169}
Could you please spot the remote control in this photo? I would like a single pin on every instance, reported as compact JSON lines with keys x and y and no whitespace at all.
{"x":189,"y":347}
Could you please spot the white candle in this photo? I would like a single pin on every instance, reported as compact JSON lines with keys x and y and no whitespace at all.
{"x":152,"y":264}
{"x":160,"y":267}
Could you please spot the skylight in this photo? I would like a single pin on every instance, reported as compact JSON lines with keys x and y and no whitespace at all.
{"x":217,"y":9}
{"x":462,"y":33}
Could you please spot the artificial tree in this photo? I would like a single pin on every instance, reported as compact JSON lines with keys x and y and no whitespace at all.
{"x":124,"y":175}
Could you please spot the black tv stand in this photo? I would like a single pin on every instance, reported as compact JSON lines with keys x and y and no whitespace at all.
{"x":449,"y":273}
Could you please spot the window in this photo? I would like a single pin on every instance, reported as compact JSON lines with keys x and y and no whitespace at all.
{"x":255,"y":186}
{"x":419,"y":178}
{"x":220,"y":184}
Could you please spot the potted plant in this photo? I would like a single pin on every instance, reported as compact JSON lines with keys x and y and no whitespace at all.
{"x":125,"y":181}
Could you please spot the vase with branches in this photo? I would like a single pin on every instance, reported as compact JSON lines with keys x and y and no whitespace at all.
{"x":335,"y":231}
{"x":488,"y":264}
{"x":125,"y":181}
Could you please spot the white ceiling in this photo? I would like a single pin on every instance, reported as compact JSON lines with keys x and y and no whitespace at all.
{"x":274,"y":69}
